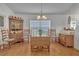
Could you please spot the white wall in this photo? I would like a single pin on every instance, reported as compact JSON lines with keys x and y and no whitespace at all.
{"x":5,"y":11}
{"x":57,"y":20}
{"x":74,"y":12}
{"x":76,"y":41}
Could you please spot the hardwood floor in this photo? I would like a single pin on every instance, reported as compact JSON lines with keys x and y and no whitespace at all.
{"x":23,"y":49}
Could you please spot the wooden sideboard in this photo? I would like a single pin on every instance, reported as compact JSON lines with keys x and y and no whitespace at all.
{"x":40,"y":43}
{"x":66,"y":40}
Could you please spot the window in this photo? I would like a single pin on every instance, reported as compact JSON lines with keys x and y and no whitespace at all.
{"x":73,"y":24}
{"x":38,"y":27}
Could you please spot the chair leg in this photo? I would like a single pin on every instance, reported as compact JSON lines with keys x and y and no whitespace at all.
{"x":6,"y":46}
{"x":9,"y":45}
{"x":2,"y":47}
{"x":48,"y":49}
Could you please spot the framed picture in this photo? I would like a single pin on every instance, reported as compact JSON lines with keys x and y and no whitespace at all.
{"x":1,"y":21}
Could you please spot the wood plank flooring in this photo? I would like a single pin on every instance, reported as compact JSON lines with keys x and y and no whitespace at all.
{"x":23,"y":49}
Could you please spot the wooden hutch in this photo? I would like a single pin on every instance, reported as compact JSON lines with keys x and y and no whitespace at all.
{"x":16,"y":29}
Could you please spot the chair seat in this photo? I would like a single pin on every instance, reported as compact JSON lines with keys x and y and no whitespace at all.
{"x":35,"y":47}
{"x":2,"y":43}
{"x":9,"y":40}
{"x":45,"y":46}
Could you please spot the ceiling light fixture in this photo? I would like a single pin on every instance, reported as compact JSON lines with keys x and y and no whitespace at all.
{"x":41,"y":16}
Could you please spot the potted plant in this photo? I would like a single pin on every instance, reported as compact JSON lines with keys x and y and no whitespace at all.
{"x":40,"y":31}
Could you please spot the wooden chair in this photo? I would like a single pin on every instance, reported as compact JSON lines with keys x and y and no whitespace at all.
{"x":1,"y":41}
{"x":46,"y":44}
{"x":5,"y":39}
{"x":40,"y":43}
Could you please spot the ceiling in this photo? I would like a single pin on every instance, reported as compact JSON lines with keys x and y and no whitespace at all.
{"x":35,"y":8}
